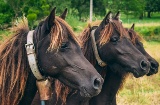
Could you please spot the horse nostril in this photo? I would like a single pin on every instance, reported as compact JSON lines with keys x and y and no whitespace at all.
{"x":154,"y":66}
{"x":97,"y":83}
{"x":144,"y":65}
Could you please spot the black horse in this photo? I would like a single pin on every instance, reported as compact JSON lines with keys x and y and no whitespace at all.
{"x":58,"y":56}
{"x":116,"y":50}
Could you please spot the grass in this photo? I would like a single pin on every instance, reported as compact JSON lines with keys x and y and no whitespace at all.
{"x":144,"y":90}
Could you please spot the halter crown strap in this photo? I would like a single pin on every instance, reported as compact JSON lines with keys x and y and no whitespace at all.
{"x":100,"y":62}
{"x":32,"y":57}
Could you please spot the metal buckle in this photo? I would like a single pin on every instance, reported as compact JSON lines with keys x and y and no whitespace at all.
{"x":30,"y":48}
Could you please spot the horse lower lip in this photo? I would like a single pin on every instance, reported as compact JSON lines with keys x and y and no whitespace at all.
{"x":136,"y":74}
{"x":153,"y":68}
{"x":86,"y":94}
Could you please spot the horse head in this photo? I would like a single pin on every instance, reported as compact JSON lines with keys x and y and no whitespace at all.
{"x":116,"y":49}
{"x":139,"y":45}
{"x":59,"y":56}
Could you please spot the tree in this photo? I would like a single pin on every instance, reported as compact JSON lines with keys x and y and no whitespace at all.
{"x":17,"y":6}
{"x":152,"y":6}
{"x":6,"y":14}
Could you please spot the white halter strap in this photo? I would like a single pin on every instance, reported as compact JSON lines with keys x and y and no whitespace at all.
{"x":32,"y":56}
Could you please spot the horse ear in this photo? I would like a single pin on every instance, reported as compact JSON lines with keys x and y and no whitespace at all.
{"x":106,"y":20}
{"x":63,"y":15}
{"x":50,"y":19}
{"x":117,"y":16}
{"x":132,"y":27}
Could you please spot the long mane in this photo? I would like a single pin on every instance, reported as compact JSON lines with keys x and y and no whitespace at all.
{"x":14,"y":66}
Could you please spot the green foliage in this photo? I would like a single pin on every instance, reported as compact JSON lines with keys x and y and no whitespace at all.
{"x":149,"y":33}
{"x":12,"y":9}
{"x":4,"y":18}
{"x":5,"y":12}
{"x":32,"y":17}
{"x":76,"y":25}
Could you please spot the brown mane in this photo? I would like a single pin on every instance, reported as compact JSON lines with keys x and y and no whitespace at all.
{"x":14,"y":66}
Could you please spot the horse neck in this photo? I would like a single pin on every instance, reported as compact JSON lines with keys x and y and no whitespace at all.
{"x":30,"y":90}
{"x":109,"y":90}
{"x":88,"y":52}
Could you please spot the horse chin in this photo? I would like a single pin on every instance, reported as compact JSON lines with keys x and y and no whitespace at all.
{"x":68,"y":83}
{"x":136,"y":73}
{"x":85,"y":93}
{"x":152,"y":71}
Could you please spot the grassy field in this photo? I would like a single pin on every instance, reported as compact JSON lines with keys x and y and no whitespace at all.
{"x":144,"y":90}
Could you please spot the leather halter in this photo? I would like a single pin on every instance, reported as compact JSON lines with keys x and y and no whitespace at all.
{"x":32,"y":56}
{"x":99,"y":60}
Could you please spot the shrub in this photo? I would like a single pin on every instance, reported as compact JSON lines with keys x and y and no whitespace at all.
{"x":150,"y":33}
{"x":31,"y":18}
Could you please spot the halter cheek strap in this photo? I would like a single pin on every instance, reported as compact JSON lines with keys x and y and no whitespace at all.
{"x":32,"y":57}
{"x":99,"y":60}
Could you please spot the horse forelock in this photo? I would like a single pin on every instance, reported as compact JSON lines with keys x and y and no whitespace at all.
{"x":14,"y":67}
{"x":107,"y":32}
{"x":57,"y":33}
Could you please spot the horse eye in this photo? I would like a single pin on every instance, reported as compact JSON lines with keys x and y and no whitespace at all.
{"x":114,"y":39}
{"x":64,"y":45}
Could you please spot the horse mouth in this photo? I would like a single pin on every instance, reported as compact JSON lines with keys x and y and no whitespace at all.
{"x":152,"y":71}
{"x":135,"y":73}
{"x":85,"y":93}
